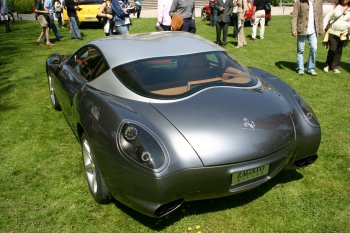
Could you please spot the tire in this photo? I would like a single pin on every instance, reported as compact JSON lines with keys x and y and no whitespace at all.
{"x":204,"y":15}
{"x":97,"y":186}
{"x":53,"y":98}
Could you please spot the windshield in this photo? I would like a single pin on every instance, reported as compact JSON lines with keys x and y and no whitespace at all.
{"x":178,"y":76}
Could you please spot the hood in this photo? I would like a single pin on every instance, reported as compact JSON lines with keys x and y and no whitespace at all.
{"x":227,"y":125}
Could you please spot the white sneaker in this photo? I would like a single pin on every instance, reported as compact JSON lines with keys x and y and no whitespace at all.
{"x":300,"y":72}
{"x":326,"y":69}
{"x":336,"y":71}
{"x":312,"y":72}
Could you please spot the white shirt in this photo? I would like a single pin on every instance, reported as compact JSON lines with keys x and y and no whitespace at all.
{"x":163,"y":12}
{"x":311,"y":22}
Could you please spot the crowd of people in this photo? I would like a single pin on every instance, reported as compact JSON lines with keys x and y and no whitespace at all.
{"x":307,"y":23}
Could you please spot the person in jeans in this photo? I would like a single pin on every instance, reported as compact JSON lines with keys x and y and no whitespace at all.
{"x":213,"y":13}
{"x":186,"y":9}
{"x":58,"y":12}
{"x":121,"y":18}
{"x":234,"y":19}
{"x":224,"y":9}
{"x":72,"y":7}
{"x":259,"y":18}
{"x":337,"y":35}
{"x":48,"y":6}
{"x":307,"y":24}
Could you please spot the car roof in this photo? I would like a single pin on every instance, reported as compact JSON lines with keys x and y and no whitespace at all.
{"x":123,"y":49}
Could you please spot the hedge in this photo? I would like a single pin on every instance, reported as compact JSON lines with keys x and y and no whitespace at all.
{"x":21,"y":6}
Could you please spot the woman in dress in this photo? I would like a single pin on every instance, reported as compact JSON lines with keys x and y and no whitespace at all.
{"x":242,"y":9}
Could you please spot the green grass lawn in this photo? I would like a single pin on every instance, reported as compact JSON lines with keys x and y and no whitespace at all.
{"x":43,"y":188}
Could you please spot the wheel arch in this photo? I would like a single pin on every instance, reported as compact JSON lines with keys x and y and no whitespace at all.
{"x":80,"y":130}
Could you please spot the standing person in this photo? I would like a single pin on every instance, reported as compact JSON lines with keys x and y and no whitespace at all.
{"x":121,"y":16}
{"x":138,"y":7}
{"x":4,"y":15}
{"x":43,"y":18}
{"x":72,"y":7}
{"x":242,"y":10}
{"x":307,"y":24}
{"x":164,"y":20}
{"x":186,"y":9}
{"x":224,"y":8}
{"x":48,"y":6}
{"x":213,"y":13}
{"x":337,"y":35}
{"x":106,"y":11}
{"x":259,"y":18}
{"x":234,"y":19}
{"x":58,"y":12}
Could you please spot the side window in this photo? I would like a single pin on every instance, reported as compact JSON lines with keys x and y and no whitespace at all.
{"x":88,"y":63}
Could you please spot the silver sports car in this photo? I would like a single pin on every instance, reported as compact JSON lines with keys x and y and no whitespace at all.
{"x":168,"y":117}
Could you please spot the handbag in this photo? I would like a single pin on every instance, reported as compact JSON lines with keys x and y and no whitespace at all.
{"x":176,"y":22}
{"x":267,"y":7}
{"x":101,"y":19}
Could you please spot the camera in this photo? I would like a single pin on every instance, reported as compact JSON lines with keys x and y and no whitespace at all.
{"x":131,"y":9}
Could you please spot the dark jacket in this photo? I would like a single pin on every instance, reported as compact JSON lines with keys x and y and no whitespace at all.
{"x":225,"y":15}
{"x":71,"y":11}
{"x":118,"y":13}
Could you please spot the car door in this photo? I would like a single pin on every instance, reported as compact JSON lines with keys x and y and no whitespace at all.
{"x":79,"y":69}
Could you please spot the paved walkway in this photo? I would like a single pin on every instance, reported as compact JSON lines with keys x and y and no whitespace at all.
{"x":153,"y":13}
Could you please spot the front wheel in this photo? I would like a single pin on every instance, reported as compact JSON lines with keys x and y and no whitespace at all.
{"x":97,"y":186}
{"x":53,"y":97}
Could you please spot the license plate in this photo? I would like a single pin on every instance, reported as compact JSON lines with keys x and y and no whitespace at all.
{"x":90,"y":19}
{"x":246,"y":175}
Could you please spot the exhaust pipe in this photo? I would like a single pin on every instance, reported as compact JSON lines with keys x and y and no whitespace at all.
{"x":168,"y":208}
{"x":306,"y":161}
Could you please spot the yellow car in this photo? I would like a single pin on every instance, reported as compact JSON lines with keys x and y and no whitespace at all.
{"x":88,"y":12}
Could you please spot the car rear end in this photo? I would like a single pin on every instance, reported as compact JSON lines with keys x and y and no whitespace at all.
{"x":88,"y":12}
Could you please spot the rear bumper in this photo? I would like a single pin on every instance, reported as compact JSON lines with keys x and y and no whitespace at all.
{"x":148,"y":195}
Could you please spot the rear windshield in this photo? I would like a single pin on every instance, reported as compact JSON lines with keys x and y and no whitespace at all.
{"x":178,"y":76}
{"x":88,"y":2}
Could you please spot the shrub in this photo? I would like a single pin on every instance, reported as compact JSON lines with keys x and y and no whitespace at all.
{"x":21,"y":6}
{"x":279,"y":2}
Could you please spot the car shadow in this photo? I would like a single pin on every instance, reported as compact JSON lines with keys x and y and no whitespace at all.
{"x":211,"y":205}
